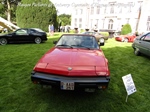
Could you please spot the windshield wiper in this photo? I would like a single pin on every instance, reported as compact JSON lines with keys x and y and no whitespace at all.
{"x":64,"y":45}
{"x":84,"y":47}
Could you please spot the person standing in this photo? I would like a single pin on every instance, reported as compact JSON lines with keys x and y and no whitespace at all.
{"x":51,"y":30}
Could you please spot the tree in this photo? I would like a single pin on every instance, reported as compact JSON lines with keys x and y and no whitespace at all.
{"x":7,"y":9}
{"x":2,"y":10}
{"x":39,"y":14}
{"x":126,"y":29}
{"x":65,"y":19}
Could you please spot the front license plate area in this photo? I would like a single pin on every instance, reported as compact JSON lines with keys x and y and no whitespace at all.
{"x":67,"y":85}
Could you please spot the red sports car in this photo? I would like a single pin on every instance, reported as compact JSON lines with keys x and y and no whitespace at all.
{"x":75,"y":62}
{"x":125,"y":38}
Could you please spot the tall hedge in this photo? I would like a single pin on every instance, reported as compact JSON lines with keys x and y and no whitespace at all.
{"x":126,"y":29}
{"x":36,"y":14}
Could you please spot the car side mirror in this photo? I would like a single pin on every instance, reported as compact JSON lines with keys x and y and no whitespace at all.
{"x":54,"y":42}
{"x":102,"y":42}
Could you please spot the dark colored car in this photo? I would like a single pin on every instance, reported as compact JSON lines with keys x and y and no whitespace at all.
{"x":24,"y":35}
{"x":75,"y":62}
{"x":125,"y":38}
{"x":97,"y":35}
{"x":141,"y":44}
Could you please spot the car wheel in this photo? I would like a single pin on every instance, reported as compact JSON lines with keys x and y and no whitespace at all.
{"x":37,"y":40}
{"x":137,"y":52}
{"x":126,"y":40}
{"x":3,"y":41}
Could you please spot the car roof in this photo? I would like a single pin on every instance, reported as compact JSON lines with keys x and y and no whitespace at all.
{"x":37,"y":29}
{"x":76,"y":35}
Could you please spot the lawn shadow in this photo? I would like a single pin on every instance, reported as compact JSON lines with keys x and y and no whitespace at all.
{"x":73,"y":100}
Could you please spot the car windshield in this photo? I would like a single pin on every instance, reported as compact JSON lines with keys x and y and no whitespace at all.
{"x":38,"y":29}
{"x":78,"y":41}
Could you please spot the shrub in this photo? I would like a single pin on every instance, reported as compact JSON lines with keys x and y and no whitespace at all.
{"x":126,"y":29}
{"x":37,"y":14}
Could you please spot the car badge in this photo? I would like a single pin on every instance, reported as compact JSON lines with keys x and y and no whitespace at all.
{"x":69,"y":68}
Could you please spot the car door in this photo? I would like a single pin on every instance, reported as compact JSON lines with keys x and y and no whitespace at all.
{"x":32,"y":34}
{"x":144,"y":44}
{"x":21,"y":35}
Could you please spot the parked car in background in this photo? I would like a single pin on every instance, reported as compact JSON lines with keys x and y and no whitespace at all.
{"x":125,"y":38}
{"x":141,"y":44}
{"x":97,"y":35}
{"x":24,"y":35}
{"x":75,"y":62}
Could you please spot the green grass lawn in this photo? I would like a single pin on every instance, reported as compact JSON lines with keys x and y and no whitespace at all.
{"x":19,"y":94}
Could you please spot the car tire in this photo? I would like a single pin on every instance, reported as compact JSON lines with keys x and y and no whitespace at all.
{"x":3,"y":41}
{"x":37,"y":40}
{"x":137,"y":52}
{"x":126,"y":40}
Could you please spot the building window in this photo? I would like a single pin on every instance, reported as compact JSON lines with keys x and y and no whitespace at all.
{"x":92,"y":10}
{"x":119,"y":24}
{"x":148,"y":23}
{"x":80,"y":25}
{"x":110,"y":24}
{"x":81,"y":11}
{"x":98,"y":10}
{"x":76,"y":11}
{"x":75,"y":22}
{"x":80,"y":20}
{"x":112,"y":8}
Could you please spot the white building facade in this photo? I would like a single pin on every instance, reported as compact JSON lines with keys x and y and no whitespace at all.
{"x":109,"y":14}
{"x":144,"y":21}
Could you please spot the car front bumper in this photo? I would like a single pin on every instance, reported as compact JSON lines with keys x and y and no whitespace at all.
{"x":79,"y":82}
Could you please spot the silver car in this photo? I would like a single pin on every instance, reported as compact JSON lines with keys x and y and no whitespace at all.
{"x":141,"y":44}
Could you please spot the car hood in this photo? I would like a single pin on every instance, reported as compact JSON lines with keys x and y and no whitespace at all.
{"x":3,"y":34}
{"x":73,"y":62}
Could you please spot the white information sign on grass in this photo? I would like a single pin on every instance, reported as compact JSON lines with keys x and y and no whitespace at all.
{"x":129,"y":84}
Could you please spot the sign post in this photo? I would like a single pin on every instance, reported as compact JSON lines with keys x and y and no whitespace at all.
{"x":129,"y":85}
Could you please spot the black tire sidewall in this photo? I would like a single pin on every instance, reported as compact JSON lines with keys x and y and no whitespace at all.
{"x":35,"y":40}
{"x":1,"y":41}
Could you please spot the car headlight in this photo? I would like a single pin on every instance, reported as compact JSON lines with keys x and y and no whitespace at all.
{"x":101,"y":40}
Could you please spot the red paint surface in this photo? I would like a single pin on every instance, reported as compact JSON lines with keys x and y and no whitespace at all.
{"x":82,"y":61}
